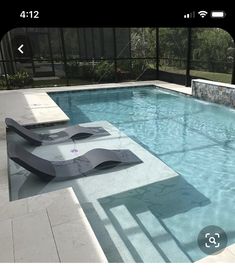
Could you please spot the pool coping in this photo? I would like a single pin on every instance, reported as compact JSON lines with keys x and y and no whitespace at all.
{"x":47,"y":112}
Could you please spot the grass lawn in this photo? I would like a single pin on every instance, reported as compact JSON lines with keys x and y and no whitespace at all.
{"x":213,"y":76}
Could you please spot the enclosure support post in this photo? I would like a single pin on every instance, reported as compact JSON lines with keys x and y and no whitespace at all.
{"x":130,"y":54}
{"x":188,"y":80}
{"x":233,"y":70}
{"x":115,"y":54}
{"x":50,"y":50}
{"x":30,"y":51}
{"x":4,"y":67}
{"x":64,"y":55}
{"x":157,"y":53}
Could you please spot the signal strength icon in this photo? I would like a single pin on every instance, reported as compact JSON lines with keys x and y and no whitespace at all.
{"x":190,"y":15}
{"x":202,"y":13}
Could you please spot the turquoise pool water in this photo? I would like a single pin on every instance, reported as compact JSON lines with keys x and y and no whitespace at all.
{"x":195,"y":138}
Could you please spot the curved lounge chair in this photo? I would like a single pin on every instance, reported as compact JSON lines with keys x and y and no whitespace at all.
{"x":72,"y":132}
{"x":94,"y":159}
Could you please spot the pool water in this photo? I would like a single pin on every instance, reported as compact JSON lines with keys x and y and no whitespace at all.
{"x":194,"y":138}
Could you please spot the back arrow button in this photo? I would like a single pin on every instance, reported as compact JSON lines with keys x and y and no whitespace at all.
{"x":20,"y":49}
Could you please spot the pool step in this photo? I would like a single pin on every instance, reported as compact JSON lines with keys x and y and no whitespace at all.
{"x":134,"y":238}
{"x":162,"y":238}
{"x":145,"y":237}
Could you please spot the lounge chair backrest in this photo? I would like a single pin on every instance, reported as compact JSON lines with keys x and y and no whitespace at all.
{"x":22,"y":131}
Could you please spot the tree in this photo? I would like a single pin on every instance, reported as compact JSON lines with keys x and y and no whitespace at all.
{"x":213,"y":48}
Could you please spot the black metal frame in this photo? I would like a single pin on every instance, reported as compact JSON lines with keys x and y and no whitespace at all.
{"x":64,"y":59}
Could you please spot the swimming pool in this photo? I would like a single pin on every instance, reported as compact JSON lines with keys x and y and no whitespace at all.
{"x":195,"y":138}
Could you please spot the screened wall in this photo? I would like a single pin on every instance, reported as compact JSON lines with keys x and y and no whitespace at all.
{"x":73,"y":56}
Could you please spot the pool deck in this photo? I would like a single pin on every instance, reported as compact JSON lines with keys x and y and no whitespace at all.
{"x":62,"y":231}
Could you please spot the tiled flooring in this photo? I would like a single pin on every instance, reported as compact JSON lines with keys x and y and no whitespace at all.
{"x":50,"y":227}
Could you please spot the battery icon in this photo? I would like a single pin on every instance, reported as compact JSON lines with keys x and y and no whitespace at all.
{"x":218,"y":14}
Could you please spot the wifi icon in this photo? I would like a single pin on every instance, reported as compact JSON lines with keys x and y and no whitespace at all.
{"x":202,"y":13}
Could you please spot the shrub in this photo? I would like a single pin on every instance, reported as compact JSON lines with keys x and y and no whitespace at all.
{"x":87,"y":72}
{"x":73,"y":69}
{"x":2,"y":81}
{"x":104,"y":71}
{"x":20,"y":79}
{"x":79,"y":70}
